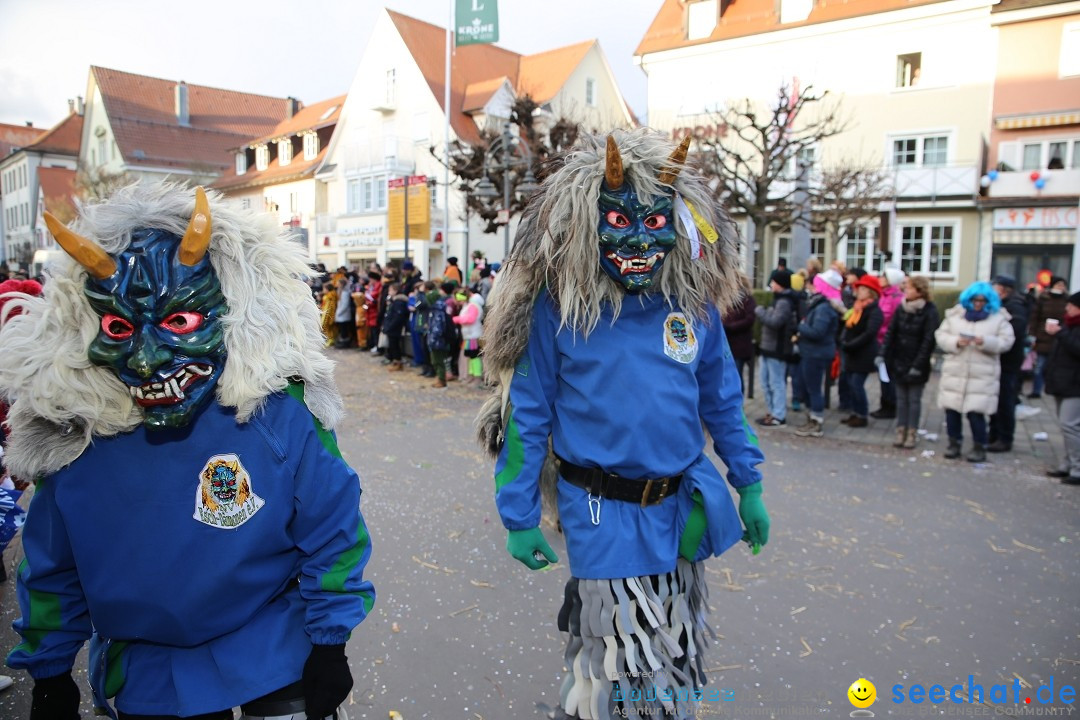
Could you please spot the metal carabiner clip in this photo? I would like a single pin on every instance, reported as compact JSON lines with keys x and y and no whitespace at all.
{"x":594,"y":508}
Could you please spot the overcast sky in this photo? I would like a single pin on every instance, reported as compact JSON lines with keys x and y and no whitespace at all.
{"x":309,"y":50}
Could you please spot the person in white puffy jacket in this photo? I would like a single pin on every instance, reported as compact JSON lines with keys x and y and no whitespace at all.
{"x":470,"y":318}
{"x":973,"y":336}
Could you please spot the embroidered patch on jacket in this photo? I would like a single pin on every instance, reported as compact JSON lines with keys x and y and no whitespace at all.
{"x":225,"y":497}
{"x":680,"y":343}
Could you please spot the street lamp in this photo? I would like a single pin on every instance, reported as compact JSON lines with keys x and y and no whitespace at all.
{"x":507,"y":153}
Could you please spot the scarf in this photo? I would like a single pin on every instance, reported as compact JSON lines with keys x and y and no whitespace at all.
{"x":976,"y":315}
{"x":914,"y":306}
{"x":855,"y":313}
{"x":1072,"y":320}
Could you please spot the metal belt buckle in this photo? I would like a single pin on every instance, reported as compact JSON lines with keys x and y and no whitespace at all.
{"x":645,"y":502}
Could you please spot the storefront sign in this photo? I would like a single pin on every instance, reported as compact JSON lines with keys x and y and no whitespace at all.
{"x":1042,"y":218}
{"x":364,"y":236}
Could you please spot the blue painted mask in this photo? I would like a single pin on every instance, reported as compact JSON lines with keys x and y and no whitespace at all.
{"x":634,"y":237}
{"x":161,"y":310}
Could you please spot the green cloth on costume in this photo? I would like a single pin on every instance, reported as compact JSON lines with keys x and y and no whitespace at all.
{"x":694,"y":529}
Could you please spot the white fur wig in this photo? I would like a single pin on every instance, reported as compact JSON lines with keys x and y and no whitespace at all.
{"x":60,"y":401}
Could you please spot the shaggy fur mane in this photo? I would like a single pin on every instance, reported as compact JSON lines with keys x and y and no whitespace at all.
{"x":60,"y":401}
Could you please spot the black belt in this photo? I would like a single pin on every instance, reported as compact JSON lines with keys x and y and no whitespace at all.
{"x":616,"y":487}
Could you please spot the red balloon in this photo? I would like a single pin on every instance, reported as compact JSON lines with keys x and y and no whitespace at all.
{"x":1034,"y":175}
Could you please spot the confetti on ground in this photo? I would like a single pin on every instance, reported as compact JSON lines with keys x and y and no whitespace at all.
{"x":809,"y":650}
{"x":996,"y":549}
{"x":395,"y":715}
{"x":433,"y":566}
{"x":480,"y":583}
{"x":907,"y":623}
{"x":395,"y":628}
{"x":796,"y":611}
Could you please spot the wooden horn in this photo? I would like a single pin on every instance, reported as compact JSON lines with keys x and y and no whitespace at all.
{"x":675,"y":162}
{"x":613,"y":171}
{"x":85,"y":252}
{"x":197,"y":237}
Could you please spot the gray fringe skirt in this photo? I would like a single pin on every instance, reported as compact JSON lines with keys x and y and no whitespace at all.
{"x":635,"y":645}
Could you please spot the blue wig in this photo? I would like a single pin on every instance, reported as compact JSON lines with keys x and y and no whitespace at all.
{"x":986,"y":290}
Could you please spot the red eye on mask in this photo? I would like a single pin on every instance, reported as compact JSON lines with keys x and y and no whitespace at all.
{"x":655,"y":222}
{"x":116,"y":327}
{"x":182,"y":323}
{"x":617,"y":219}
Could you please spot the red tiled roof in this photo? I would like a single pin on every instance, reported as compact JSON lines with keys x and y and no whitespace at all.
{"x":308,"y":118}
{"x":64,"y":138}
{"x":274,"y":173}
{"x":16,"y":136}
{"x":141,"y":111}
{"x":742,"y":18}
{"x":541,"y":75}
{"x":477,"y":94}
{"x":57,"y":186}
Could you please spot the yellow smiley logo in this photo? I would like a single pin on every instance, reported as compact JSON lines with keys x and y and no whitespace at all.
{"x":862,"y":693}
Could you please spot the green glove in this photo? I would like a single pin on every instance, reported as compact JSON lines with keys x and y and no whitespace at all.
{"x":753,"y":515}
{"x":523,"y":544}
{"x":694,"y":529}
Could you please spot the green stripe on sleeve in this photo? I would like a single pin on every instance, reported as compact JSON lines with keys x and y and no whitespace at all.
{"x":515,"y":456}
{"x":750,"y":435}
{"x":114,"y":668}
{"x":42,"y":618}
{"x":334,"y":580}
{"x":296,"y":390}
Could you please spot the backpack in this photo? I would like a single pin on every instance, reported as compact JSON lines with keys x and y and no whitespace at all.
{"x":437,"y":331}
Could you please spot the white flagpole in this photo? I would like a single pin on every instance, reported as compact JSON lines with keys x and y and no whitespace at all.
{"x":446,"y":150}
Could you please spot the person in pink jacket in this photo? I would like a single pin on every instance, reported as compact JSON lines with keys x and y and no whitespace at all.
{"x":892,"y":294}
{"x":469,"y":318}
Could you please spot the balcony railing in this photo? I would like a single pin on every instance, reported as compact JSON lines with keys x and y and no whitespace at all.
{"x":935,"y":182}
{"x":1020,"y":184}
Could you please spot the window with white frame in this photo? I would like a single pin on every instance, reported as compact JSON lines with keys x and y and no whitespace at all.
{"x":311,"y":146}
{"x":807,"y":156}
{"x":352,"y":196}
{"x":928,"y":248}
{"x":590,"y":92}
{"x":375,"y":193}
{"x":817,"y":248}
{"x":1051,"y":154}
{"x":284,"y":151}
{"x":908,"y":69}
{"x":391,"y":87}
{"x":920,"y":151}
{"x":1069,"y":58}
{"x":241,"y":163}
{"x":245,"y":203}
{"x":860,"y":248}
{"x":262,"y":157}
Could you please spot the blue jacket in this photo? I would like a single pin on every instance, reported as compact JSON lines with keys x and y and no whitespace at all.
{"x":817,"y":331}
{"x":208,"y":560}
{"x":631,"y":400}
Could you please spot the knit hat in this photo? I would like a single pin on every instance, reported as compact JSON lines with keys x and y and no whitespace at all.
{"x":869,"y":281}
{"x":832,"y":277}
{"x":798,"y":280}
{"x":781,"y":278}
{"x":29,"y":287}
{"x":894,"y":276}
{"x":1005,"y":281}
{"x":1074,"y":299}
{"x":824,"y":284}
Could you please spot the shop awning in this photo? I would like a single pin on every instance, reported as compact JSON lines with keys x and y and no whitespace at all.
{"x":1038,"y":120}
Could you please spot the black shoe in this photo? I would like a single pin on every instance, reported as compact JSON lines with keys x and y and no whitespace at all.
{"x":1057,"y":473}
{"x":999,"y":446}
{"x":953,"y":450}
{"x":1034,"y":396}
{"x":1070,"y":480}
{"x":884,"y":413}
{"x":857,"y":421}
{"x":977,"y":454}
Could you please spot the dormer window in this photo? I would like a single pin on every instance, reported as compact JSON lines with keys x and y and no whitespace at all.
{"x":700,"y":19}
{"x":311,"y":146}
{"x":262,"y":157}
{"x":241,"y":162}
{"x":284,"y":151}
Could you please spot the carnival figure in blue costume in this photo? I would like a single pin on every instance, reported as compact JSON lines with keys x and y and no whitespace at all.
{"x":606,"y":341}
{"x":193,"y":517}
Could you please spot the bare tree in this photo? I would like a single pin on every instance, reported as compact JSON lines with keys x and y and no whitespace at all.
{"x":467,"y":161}
{"x":846,"y":194}
{"x":750,"y":162}
{"x":97,"y":183}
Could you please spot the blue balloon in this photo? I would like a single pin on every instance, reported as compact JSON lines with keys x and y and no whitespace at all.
{"x":993,"y":174}
{"x":1040,"y":183}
